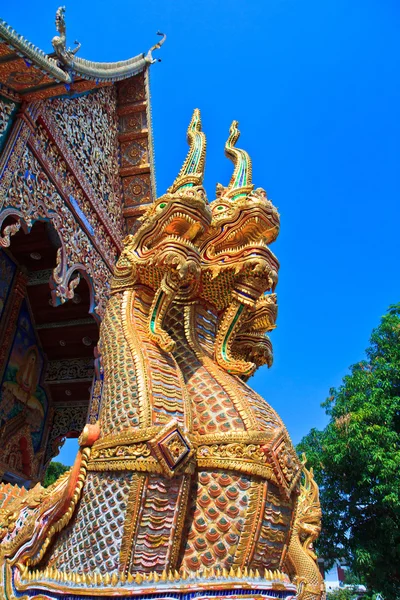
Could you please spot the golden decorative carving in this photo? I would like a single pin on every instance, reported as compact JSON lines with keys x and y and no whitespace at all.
{"x":301,"y":558}
{"x":189,"y":474}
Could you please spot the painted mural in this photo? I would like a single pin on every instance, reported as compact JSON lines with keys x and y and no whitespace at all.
{"x":23,"y":402}
{"x":7,"y":272}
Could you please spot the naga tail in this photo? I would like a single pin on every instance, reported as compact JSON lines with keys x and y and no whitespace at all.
{"x":306,"y":529}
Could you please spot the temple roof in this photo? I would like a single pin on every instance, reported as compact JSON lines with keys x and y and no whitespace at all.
{"x":31,"y":74}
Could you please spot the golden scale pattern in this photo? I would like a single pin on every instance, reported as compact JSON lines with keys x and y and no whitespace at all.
{"x":93,"y":538}
{"x":212,"y":406}
{"x":164,"y":383}
{"x":154,"y":537}
{"x":219,"y":511}
{"x":120,"y":411}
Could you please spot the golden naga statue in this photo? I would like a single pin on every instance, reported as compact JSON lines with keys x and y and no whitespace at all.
{"x":189,"y":483}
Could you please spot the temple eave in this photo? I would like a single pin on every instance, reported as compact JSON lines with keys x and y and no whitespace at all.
{"x":27,"y":50}
{"x":29,"y":72}
{"x":109,"y":72}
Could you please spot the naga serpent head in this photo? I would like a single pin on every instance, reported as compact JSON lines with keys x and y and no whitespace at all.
{"x":181,"y":215}
{"x":244,"y":222}
{"x":251,"y":342}
{"x":241,"y":221}
{"x":170,"y":228}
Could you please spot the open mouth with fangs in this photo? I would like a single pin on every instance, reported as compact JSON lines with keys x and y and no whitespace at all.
{"x":253,"y":226}
{"x":180,"y":223}
{"x":249,"y":253}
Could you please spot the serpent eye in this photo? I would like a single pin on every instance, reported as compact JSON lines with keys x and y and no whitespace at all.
{"x":162,"y":205}
{"x":220,"y":207}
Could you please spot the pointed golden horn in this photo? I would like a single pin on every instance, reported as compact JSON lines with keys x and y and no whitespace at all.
{"x":241,"y":181}
{"x":192,"y":171}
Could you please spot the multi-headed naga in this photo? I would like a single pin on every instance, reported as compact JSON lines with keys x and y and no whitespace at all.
{"x":189,"y":482}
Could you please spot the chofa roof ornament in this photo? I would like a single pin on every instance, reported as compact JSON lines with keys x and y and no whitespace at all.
{"x":149,"y":56}
{"x":97,"y":71}
{"x":59,"y":41}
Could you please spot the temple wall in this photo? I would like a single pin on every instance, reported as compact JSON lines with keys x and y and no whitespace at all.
{"x":58,"y":164}
{"x":41,"y":179}
{"x":85,"y":131}
{"x":24,"y":402}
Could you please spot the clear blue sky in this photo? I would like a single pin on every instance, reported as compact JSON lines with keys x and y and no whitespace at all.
{"x":315,"y":88}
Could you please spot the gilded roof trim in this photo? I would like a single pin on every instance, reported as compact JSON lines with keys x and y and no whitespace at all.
{"x":153,"y":182}
{"x":102,"y":71}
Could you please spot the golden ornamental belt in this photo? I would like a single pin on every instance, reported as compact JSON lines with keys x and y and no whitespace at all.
{"x":170,"y":451}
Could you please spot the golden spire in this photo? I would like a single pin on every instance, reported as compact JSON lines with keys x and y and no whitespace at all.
{"x":241,"y":181}
{"x":192,"y":171}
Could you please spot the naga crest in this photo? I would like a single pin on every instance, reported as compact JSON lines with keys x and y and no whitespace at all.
{"x":188,"y":483}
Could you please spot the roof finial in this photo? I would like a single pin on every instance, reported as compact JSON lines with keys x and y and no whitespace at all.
{"x":60,"y":41}
{"x":192,"y":171}
{"x":149,"y":56}
{"x":241,"y":181}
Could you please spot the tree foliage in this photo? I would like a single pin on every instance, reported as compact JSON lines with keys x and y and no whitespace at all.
{"x":356,"y":461}
{"x":340,"y":594}
{"x":53,"y":472}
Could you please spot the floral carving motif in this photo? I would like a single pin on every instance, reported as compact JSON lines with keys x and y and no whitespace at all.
{"x":174,"y":448}
{"x":136,"y":190}
{"x":6,"y":108}
{"x":133,"y":123}
{"x":33,"y":196}
{"x":72,"y":369}
{"x":139,"y":450}
{"x":47,"y":150}
{"x":88,"y":125}
{"x":135,"y":153}
{"x":18,"y":80}
{"x":131,"y":90}
{"x":95,"y":401}
{"x":288,"y":461}
{"x":235,"y":450}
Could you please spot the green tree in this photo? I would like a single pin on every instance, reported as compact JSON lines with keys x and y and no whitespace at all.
{"x":53,"y":472}
{"x":356,"y":461}
{"x":340,"y":594}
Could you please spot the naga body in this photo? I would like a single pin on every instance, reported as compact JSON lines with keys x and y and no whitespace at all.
{"x":189,"y":478}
